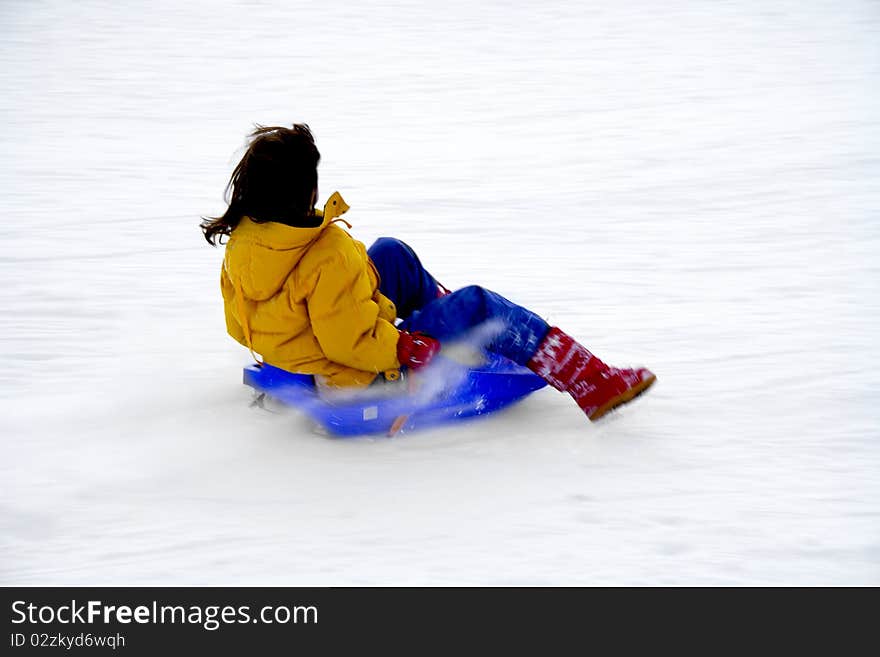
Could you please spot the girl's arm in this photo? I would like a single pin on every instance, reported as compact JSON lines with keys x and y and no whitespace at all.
{"x":345,"y":319}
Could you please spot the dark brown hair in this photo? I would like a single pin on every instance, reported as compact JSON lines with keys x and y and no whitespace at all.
{"x":274,"y":181}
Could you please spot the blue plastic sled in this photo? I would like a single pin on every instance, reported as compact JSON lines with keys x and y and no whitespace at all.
{"x":447,"y":391}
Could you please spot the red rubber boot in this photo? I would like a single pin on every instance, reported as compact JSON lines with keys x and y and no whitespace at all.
{"x":568,"y":366}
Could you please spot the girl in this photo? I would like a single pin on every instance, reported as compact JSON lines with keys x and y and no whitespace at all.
{"x":311,"y":299}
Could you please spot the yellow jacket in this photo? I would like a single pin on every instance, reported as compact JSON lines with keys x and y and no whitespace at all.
{"x":307,"y":300}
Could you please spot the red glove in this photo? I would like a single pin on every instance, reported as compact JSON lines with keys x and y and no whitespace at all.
{"x":415,"y":350}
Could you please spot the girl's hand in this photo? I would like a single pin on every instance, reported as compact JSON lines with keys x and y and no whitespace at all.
{"x":415,"y":350}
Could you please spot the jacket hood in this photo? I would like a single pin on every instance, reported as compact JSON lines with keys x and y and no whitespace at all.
{"x":260,"y":256}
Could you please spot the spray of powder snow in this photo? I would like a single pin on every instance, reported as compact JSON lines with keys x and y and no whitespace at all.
{"x":459,"y":356}
{"x":443,"y":374}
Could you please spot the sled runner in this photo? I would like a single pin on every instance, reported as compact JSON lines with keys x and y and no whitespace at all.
{"x":445,"y":392}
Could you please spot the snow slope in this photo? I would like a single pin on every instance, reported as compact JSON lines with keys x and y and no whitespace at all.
{"x":691,"y":185}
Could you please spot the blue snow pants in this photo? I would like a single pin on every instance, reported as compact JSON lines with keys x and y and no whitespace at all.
{"x":405,"y":281}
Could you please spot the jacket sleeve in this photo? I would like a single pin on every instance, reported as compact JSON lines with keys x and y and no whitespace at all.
{"x":345,"y":319}
{"x":232,"y":326}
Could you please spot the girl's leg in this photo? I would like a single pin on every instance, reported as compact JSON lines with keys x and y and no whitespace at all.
{"x":525,"y":338}
{"x":403,"y":279}
{"x":528,"y":340}
{"x":450,"y":316}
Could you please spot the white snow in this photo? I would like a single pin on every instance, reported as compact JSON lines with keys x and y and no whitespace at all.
{"x":689,"y":185}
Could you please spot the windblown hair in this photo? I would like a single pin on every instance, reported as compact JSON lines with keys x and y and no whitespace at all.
{"x":274,"y":181}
